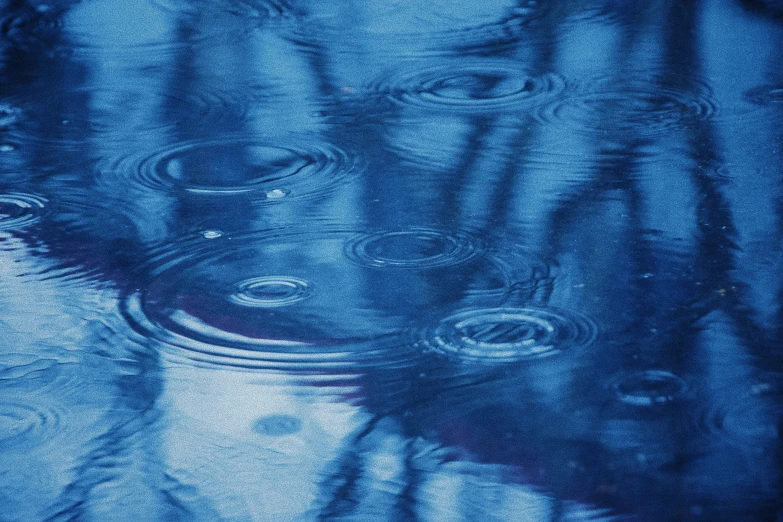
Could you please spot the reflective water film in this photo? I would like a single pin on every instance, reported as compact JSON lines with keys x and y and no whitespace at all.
{"x":297,"y":260}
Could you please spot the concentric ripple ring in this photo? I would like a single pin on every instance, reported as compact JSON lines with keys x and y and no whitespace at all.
{"x":511,"y":334}
{"x":485,"y":85}
{"x":412,"y":248}
{"x":270,"y":170}
{"x":297,"y":298}
{"x":19,"y":210}
{"x":271,"y":291}
{"x":649,"y":388}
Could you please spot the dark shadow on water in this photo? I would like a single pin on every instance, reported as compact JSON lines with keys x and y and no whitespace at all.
{"x":372,"y":261}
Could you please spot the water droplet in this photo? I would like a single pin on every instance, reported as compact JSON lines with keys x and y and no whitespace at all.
{"x":212,"y":234}
{"x":414,"y":248}
{"x":19,"y":210}
{"x":244,"y":165}
{"x":271,"y":291}
{"x":511,"y":334}
{"x":474,"y":86}
{"x":277,"y":425}
{"x":649,"y":388}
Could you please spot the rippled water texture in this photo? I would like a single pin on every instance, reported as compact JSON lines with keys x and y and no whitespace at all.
{"x":295,"y":260}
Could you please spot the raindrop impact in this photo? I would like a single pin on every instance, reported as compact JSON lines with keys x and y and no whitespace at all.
{"x":295,"y":298}
{"x":212,"y":234}
{"x":25,"y":424}
{"x":414,"y":248}
{"x":411,"y":29}
{"x":646,"y":108}
{"x":270,"y":171}
{"x":18,"y":210}
{"x":511,"y":334}
{"x":485,"y":85}
{"x":270,"y":291}
{"x":744,"y":417}
{"x":649,"y":388}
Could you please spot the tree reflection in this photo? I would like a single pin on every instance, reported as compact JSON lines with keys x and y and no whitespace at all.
{"x":635,"y":173}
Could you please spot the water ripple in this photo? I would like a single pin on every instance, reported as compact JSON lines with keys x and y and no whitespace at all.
{"x":270,"y":291}
{"x":245,"y":8}
{"x":649,"y":388}
{"x":87,"y":23}
{"x":271,"y":170}
{"x":646,"y":108}
{"x":765,"y":94}
{"x":744,"y":417}
{"x":116,"y":111}
{"x":470,"y":85}
{"x":295,"y":298}
{"x":22,"y":423}
{"x":510,"y":334}
{"x":19,"y":210}
{"x":416,"y":248}
{"x":407,"y":29}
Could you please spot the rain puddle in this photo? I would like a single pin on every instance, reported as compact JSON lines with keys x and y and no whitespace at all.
{"x":446,"y":261}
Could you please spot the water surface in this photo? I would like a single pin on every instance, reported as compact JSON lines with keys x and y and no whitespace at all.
{"x":299,"y":260}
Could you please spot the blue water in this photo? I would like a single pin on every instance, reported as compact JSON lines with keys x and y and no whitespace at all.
{"x":269,"y":260}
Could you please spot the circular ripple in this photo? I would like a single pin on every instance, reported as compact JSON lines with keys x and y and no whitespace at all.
{"x":277,"y":425}
{"x":168,"y":26}
{"x":410,"y":28}
{"x":294,"y":299}
{"x":749,"y":418}
{"x":271,"y":291}
{"x":765,"y":94}
{"x":18,"y":210}
{"x":640,"y":107}
{"x":24,"y":423}
{"x":244,"y":8}
{"x":649,"y":388}
{"x":511,"y":334}
{"x":115,"y":110}
{"x":271,"y":171}
{"x":414,"y":248}
{"x":478,"y":85}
